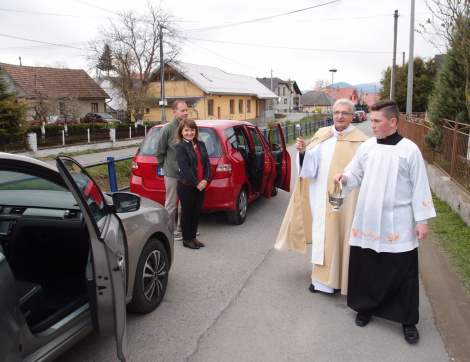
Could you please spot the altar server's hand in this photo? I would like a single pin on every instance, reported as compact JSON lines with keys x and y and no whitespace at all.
{"x":340,"y":177}
{"x":301,"y":145}
{"x":421,"y":231}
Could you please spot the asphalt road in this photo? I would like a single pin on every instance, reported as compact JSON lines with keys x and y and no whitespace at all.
{"x":239,"y":299}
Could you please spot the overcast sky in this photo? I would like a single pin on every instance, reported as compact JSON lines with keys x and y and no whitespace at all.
{"x":293,"y":39}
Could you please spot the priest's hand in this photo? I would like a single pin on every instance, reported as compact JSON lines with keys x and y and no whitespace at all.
{"x":301,"y":145}
{"x":421,"y":231}
{"x":340,"y":177}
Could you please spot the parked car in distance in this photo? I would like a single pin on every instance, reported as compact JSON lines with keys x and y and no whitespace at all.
{"x":99,"y":118}
{"x":363,"y":115}
{"x":60,"y":120}
{"x":71,"y":258}
{"x":244,"y":166}
{"x":357,"y":117}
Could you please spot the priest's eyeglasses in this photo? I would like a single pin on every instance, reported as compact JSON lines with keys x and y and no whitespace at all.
{"x":337,"y":113}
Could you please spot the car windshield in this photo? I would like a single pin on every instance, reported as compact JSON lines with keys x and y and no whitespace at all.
{"x":106,"y":116}
{"x":12,"y":180}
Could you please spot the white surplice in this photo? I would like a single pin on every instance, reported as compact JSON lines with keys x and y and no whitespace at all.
{"x":394,"y":195}
{"x":316,"y":165}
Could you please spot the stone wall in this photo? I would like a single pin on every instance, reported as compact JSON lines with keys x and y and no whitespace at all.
{"x":448,"y":191}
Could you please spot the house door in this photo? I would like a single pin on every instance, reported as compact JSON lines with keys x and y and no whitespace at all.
{"x":218,"y":112}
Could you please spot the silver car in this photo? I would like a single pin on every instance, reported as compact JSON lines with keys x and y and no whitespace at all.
{"x":72,"y":258}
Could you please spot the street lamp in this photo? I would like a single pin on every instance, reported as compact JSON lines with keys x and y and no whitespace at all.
{"x":333,"y":71}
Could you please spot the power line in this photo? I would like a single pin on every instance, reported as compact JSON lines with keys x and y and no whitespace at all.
{"x":54,"y":14}
{"x":38,"y":41}
{"x":261,"y":19}
{"x":293,"y":48}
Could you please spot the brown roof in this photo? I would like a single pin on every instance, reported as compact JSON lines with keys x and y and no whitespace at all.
{"x":53,"y":82}
{"x":315,"y":98}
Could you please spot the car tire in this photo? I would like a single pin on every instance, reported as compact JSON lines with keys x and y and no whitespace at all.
{"x":238,"y":216}
{"x":151,"y":278}
{"x":274,"y":191}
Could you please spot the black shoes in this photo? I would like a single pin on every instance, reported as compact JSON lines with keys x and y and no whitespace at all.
{"x":312,"y":288}
{"x":410,"y":332}
{"x":190,"y":244}
{"x":362,"y":319}
{"x":198,"y":243}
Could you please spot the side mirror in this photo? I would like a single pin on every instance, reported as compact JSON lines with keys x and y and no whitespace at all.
{"x":126,"y":202}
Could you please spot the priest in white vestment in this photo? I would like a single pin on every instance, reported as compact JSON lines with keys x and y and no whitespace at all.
{"x":309,"y":217}
{"x":391,"y":215}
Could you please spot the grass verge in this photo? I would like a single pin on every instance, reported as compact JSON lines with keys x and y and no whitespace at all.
{"x":454,"y":237}
{"x":101,"y":176}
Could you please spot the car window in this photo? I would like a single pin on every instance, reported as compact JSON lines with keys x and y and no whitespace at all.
{"x":13,"y":180}
{"x":256,"y":140}
{"x":237,"y":139}
{"x":149,"y":144}
{"x":211,"y":140}
{"x":90,"y":191}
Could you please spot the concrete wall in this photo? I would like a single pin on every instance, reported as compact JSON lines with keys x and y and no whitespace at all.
{"x":448,"y":191}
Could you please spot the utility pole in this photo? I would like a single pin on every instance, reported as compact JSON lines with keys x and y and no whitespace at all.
{"x":162,"y":76}
{"x":409,"y":93}
{"x":394,"y":62}
{"x":333,"y":71}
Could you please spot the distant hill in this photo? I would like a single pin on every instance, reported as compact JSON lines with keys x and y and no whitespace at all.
{"x":368,"y":88}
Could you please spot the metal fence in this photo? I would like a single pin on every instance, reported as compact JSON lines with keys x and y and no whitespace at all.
{"x":130,"y":132}
{"x":294,"y":130}
{"x":454,"y":155}
{"x":13,"y":143}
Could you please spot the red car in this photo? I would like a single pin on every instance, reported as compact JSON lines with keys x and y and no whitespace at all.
{"x":244,"y":166}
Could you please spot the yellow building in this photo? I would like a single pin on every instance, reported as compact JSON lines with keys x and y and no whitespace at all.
{"x":210,"y":93}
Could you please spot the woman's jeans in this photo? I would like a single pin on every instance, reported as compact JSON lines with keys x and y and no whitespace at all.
{"x":191,"y":200}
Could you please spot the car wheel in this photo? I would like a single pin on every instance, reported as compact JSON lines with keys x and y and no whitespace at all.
{"x":274,"y":191}
{"x":151,"y":278}
{"x":238,"y":216}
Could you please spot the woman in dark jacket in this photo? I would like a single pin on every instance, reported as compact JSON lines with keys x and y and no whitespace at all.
{"x":193,"y":177}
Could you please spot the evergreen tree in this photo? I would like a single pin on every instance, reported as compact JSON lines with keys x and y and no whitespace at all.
{"x":11,"y":112}
{"x":105,"y":62}
{"x":448,"y":98}
{"x":423,"y":81}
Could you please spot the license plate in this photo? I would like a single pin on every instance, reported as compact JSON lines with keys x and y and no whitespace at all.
{"x":159,"y":171}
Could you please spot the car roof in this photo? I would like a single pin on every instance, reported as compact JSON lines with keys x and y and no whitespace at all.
{"x":215,"y":123}
{"x":14,"y":157}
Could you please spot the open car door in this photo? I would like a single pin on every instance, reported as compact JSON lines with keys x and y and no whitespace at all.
{"x":106,"y":267}
{"x":277,"y":145}
{"x":263,"y":162}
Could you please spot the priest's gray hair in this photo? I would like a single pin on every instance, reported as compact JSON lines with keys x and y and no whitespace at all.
{"x":345,"y":101}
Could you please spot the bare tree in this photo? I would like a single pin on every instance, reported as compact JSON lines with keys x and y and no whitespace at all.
{"x":134,"y":53}
{"x":449,"y":28}
{"x":321,"y":84}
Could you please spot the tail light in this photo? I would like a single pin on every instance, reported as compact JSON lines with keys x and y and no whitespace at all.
{"x":135,"y":169}
{"x":223,"y":168}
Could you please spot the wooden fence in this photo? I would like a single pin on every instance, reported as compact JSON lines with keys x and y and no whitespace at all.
{"x":454,"y":155}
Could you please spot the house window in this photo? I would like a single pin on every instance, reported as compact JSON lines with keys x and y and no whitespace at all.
{"x":285,"y":101}
{"x":283,"y":91}
{"x":210,"y":107}
{"x":248,"y":105}
{"x":279,"y":92}
{"x":94,"y":107}
{"x":147,"y":110}
{"x":232,"y":106}
{"x":240,"y":106}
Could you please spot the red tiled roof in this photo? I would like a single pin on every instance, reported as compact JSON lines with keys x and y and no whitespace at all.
{"x":53,"y":82}
{"x":337,"y":93}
